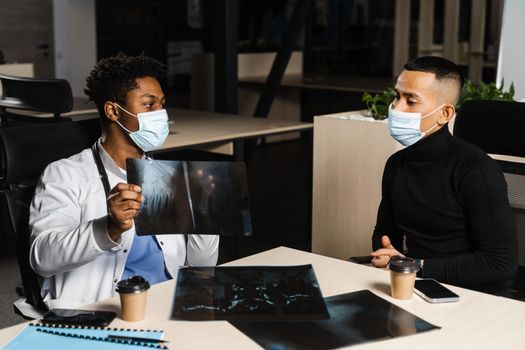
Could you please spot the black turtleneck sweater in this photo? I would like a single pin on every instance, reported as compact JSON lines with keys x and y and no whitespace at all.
{"x":448,"y":199}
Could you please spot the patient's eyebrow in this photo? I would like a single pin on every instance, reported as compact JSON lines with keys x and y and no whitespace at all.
{"x":408,"y":93}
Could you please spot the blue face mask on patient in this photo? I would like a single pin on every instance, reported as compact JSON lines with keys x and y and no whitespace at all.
{"x":405,"y":127}
{"x":153,"y":129}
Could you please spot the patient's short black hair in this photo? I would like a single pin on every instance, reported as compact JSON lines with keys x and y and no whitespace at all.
{"x":442,"y":68}
{"x":113,"y":77}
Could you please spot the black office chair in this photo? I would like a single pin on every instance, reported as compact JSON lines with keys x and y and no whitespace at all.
{"x":498,"y":127}
{"x":36,"y":95}
{"x":25,"y":152}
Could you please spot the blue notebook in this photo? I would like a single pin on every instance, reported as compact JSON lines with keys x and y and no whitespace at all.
{"x":56,"y":337}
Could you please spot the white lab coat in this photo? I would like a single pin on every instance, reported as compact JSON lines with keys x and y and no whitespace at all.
{"x":70,"y":247}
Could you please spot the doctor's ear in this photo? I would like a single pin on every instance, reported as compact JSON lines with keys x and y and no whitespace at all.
{"x":447,"y":113}
{"x":111,"y":111}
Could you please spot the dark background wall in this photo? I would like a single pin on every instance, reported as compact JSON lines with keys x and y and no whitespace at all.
{"x":26,"y":34}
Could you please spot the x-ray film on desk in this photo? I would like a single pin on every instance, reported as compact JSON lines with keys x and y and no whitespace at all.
{"x":355,"y":318}
{"x":191,"y":197}
{"x":248,"y":293}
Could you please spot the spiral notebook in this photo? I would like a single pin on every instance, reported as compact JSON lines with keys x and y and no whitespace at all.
{"x":56,"y":337}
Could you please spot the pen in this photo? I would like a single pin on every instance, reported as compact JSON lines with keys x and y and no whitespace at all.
{"x":146,"y":340}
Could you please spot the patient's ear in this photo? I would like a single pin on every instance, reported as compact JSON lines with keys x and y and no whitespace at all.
{"x":448,"y":112}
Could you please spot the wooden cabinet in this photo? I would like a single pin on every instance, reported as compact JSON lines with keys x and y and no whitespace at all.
{"x":349,"y":158}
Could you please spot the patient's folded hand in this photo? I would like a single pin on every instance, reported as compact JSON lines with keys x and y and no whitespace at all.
{"x":383,"y":255}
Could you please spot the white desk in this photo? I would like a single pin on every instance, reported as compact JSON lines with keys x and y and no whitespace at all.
{"x":478,"y":321}
{"x":216,"y":132}
{"x":204,"y":130}
{"x":194,"y":128}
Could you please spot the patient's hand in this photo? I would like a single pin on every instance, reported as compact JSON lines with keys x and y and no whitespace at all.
{"x":383,"y":255}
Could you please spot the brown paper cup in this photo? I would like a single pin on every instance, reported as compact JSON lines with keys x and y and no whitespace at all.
{"x":402,"y":284}
{"x":403,"y":272}
{"x":133,"y":294}
{"x":133,"y":306}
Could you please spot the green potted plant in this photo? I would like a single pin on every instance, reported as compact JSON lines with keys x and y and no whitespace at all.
{"x":378,"y":104}
{"x":485,"y":91}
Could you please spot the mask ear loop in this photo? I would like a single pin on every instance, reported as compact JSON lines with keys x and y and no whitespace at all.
{"x":434,"y":111}
{"x":136,"y":116}
{"x":122,"y":126}
{"x":429,"y":130}
{"x":429,"y":114}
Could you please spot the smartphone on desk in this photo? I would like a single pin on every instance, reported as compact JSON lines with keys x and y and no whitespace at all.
{"x":79,"y":317}
{"x":434,"y":292}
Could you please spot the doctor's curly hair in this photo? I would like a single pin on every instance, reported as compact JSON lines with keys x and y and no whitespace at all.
{"x":113,"y":77}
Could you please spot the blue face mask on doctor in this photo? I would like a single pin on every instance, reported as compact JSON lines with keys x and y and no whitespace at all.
{"x":153,"y":129}
{"x":405,"y":127}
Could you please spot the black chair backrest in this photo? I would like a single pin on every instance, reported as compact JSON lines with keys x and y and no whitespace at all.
{"x":25,"y":152}
{"x":44,"y":95}
{"x":495,"y":126}
{"x":498,"y":127}
{"x":40,"y":95}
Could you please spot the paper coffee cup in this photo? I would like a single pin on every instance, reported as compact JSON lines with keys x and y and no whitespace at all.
{"x":402,"y":276}
{"x":133,"y":294}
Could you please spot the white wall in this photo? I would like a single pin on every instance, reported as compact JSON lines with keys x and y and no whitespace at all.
{"x":511,"y":60}
{"x":75,"y":41}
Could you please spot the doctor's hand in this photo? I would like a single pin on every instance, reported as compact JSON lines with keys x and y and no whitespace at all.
{"x":207,"y":182}
{"x":383,"y":255}
{"x":207,"y":185}
{"x":124,"y":202}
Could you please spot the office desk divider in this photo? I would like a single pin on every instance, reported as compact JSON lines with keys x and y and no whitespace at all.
{"x":355,"y":318}
{"x":55,"y":337}
{"x":248,"y":293}
{"x":191,"y":197}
